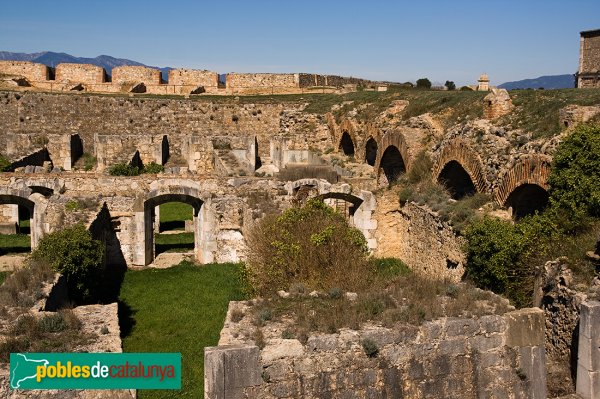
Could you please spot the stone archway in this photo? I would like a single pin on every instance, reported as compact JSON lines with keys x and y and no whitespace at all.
{"x":456,"y":180}
{"x":170,"y":191}
{"x":459,"y":168}
{"x":524,"y":188}
{"x":33,"y":204}
{"x":392,"y":157}
{"x":526,"y":199}
{"x":347,"y":144}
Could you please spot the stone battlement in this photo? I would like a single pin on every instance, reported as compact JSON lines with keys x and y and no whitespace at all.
{"x":141,"y":79}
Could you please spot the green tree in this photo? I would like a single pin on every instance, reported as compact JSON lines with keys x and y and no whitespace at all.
{"x":423,"y":83}
{"x":75,"y":254}
{"x":450,"y":85}
{"x":575,"y":177}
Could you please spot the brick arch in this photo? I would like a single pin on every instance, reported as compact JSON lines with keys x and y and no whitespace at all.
{"x":396,"y":139}
{"x":534,"y":169}
{"x":459,"y":151}
{"x":347,"y":127}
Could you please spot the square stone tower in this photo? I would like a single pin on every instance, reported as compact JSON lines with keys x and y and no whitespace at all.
{"x":588,"y":74}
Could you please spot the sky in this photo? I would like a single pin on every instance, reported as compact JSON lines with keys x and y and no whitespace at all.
{"x":398,"y":40}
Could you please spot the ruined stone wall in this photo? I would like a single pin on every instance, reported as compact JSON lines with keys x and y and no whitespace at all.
{"x":311,"y":80}
{"x":260,"y":80}
{"x":41,"y":114}
{"x":590,"y":52}
{"x":490,"y":357}
{"x":30,"y":70}
{"x":142,"y":74}
{"x":497,"y":104}
{"x":193,"y":77}
{"x":412,"y":233}
{"x":80,"y":73}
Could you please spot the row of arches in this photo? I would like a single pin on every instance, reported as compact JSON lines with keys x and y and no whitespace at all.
{"x":523,"y":190}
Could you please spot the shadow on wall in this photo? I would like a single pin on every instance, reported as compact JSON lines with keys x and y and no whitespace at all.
{"x":102,"y":229}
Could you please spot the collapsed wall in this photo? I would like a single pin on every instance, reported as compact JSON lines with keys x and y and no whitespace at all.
{"x":493,"y":356}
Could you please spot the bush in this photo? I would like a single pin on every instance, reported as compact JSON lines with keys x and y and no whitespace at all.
{"x":390,"y":267}
{"x":575,"y":176}
{"x":450,"y":85}
{"x":494,"y":247}
{"x":312,"y":245}
{"x":73,"y":253}
{"x":153,"y":168}
{"x":123,"y":169}
{"x":4,"y":164}
{"x":370,"y":347}
{"x":89,"y":161}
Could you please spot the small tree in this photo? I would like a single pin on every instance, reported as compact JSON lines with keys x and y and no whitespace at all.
{"x":75,"y":254}
{"x":450,"y":85}
{"x":423,"y":83}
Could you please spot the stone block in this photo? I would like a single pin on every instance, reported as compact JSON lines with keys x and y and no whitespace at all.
{"x":588,"y":383}
{"x":491,"y":324}
{"x":280,"y":348}
{"x":481,"y":343}
{"x":456,"y":346}
{"x":456,"y":327}
{"x":533,"y":364}
{"x":230,"y":369}
{"x":589,"y":316}
{"x":525,"y":327}
{"x":319,"y":343}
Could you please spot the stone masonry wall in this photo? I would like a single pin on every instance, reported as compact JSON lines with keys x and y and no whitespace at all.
{"x":590,"y":52}
{"x":142,"y":74}
{"x":32,"y":71}
{"x":193,"y":77}
{"x":41,"y":114}
{"x":80,"y":73}
{"x":310,"y":80}
{"x":245,"y":80}
{"x":412,"y":233}
{"x":490,"y":357}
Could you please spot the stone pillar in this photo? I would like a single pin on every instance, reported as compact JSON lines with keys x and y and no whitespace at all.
{"x":157,"y":219}
{"x":525,"y":333}
{"x":588,"y":357}
{"x":229,"y":369}
{"x":9,"y":218}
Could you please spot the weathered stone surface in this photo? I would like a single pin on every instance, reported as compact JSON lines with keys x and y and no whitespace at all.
{"x":525,"y":327}
{"x":230,"y":369}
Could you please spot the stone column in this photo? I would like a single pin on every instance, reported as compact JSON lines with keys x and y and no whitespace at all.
{"x":229,"y":369}
{"x":588,"y":357}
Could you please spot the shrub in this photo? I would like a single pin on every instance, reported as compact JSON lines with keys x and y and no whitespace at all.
{"x":153,"y":168}
{"x":123,"y":169}
{"x":576,"y":173}
{"x":390,"y":267}
{"x":450,"y":85}
{"x":313,"y":245}
{"x":421,"y":168}
{"x":74,"y":253}
{"x":494,"y":246}
{"x":89,"y":161}
{"x":4,"y":164}
{"x":370,"y":347}
{"x":23,"y":287}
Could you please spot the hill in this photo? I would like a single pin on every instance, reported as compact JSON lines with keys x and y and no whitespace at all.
{"x":547,"y":82}
{"x":52,"y":59}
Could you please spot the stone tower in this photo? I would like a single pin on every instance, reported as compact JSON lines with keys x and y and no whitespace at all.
{"x":588,"y":74}
{"x":483,"y":84}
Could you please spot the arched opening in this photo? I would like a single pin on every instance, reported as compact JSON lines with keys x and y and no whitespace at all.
{"x":164,"y":150}
{"x":371,"y":151}
{"x":456,"y":180}
{"x":136,"y":160}
{"x":303,"y":193}
{"x":175,"y":228}
{"x":346,"y":145}
{"x":20,"y":214}
{"x":257,"y":160}
{"x":526,"y":199}
{"x":45,"y":191}
{"x":345,"y":204}
{"x":392,"y":164}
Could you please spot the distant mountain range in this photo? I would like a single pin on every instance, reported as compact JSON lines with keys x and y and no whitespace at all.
{"x":547,"y":82}
{"x":52,"y":59}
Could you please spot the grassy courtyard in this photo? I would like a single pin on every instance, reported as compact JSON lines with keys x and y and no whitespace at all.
{"x":180,"y":309}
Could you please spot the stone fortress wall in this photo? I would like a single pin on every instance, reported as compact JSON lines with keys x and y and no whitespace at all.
{"x":140,"y":79}
{"x":588,"y":74}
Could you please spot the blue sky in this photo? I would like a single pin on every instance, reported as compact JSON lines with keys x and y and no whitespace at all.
{"x":382,"y":40}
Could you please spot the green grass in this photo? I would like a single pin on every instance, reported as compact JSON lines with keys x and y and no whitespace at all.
{"x":3,"y":276}
{"x":182,"y":242}
{"x":14,"y":243}
{"x":174,"y":214}
{"x":536,"y":111}
{"x":180,"y":309}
